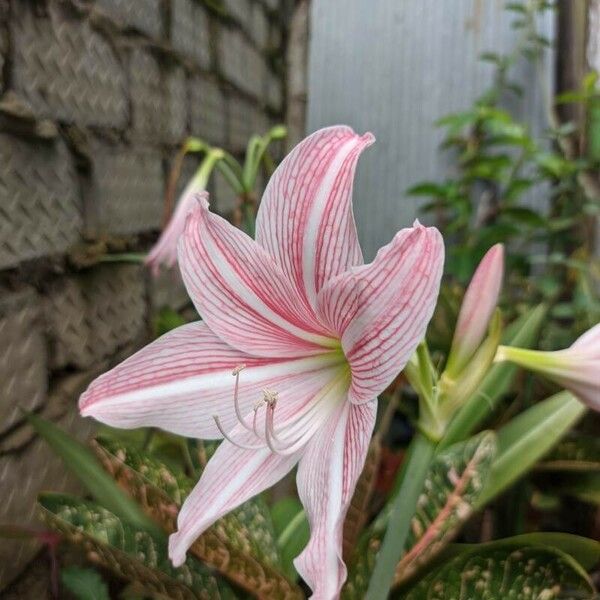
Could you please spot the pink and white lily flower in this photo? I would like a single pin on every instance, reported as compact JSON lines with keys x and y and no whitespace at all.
{"x":576,"y":368}
{"x":298,"y":338}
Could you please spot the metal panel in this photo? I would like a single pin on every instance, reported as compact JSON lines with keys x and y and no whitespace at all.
{"x":40,"y":212}
{"x":22,"y":356}
{"x":64,"y":69}
{"x":189,"y":32}
{"x":143,"y":15}
{"x":394,"y":68}
{"x":208,"y":108}
{"x":241,"y":63}
{"x":158,"y":98}
{"x":91,"y":315}
{"x":126,"y":194}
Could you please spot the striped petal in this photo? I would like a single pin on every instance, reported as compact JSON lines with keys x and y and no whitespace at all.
{"x":184,"y":378}
{"x":381,"y":310}
{"x":232,"y":476}
{"x":164,"y":252}
{"x":326,"y":488}
{"x":305,"y":219}
{"x":245,"y":465}
{"x":242,"y":294}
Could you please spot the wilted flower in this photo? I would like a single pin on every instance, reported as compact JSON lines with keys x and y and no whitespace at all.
{"x":311,"y":335}
{"x":577,"y":368}
{"x":164,"y":252}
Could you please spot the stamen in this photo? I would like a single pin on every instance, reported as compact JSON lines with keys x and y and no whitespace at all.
{"x":270,"y":399}
{"x":238,"y":413}
{"x":229,"y":439}
{"x":257,"y":405}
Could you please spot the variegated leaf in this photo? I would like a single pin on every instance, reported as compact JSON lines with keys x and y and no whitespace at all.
{"x":131,"y":554}
{"x":241,"y":545}
{"x":454,"y":481}
{"x":528,"y":573}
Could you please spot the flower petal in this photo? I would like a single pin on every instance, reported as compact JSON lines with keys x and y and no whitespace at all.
{"x":184,"y":378}
{"x":242,"y":294}
{"x":232,"y":476}
{"x":381,"y":310}
{"x":305,"y":218}
{"x":165,"y":250}
{"x":327,"y":476}
{"x":589,"y":341}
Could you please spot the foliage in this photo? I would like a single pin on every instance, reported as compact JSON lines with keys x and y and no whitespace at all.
{"x":84,"y":584}
{"x":498,"y":165}
{"x":135,"y":555}
{"x":489,"y":572}
{"x":480,"y":430}
{"x":453,"y":482}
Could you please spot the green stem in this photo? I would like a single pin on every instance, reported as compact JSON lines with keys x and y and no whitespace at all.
{"x":291,"y":529}
{"x":404,"y":505}
{"x":232,"y":177}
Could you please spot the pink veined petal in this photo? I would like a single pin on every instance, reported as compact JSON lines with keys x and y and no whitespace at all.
{"x":165,"y":250}
{"x":232,"y":476}
{"x":327,"y":476}
{"x":305,"y":218}
{"x":242,"y":294}
{"x":381,"y":310}
{"x":235,"y":474}
{"x":590,"y":340}
{"x":184,"y":378}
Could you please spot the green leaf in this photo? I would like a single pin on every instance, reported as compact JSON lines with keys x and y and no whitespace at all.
{"x":242,"y":545}
{"x":427,"y":189}
{"x":83,"y":464}
{"x":128,"y":552}
{"x":454,"y":480}
{"x":166,"y":320}
{"x":84,"y":584}
{"x":527,"y":438}
{"x":522,"y":333}
{"x":521,"y":574}
{"x":524,"y":216}
{"x":578,"y":452}
{"x":584,"y":550}
{"x":293,"y":532}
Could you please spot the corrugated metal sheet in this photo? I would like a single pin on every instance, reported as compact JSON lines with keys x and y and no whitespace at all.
{"x":395,"y":66}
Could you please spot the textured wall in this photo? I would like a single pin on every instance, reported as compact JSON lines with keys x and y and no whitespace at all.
{"x":95,"y":97}
{"x":394,"y":67}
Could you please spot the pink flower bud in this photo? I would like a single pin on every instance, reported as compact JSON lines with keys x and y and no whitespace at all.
{"x":477,"y":309}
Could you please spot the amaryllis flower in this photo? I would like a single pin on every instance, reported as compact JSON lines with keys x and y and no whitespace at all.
{"x":477,"y":308}
{"x":576,"y":368}
{"x":164,"y":252}
{"x":297,"y":340}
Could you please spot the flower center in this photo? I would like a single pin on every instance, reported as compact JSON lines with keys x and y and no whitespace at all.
{"x":291,"y":434}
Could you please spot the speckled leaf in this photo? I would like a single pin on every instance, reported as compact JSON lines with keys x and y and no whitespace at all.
{"x":242,"y":545}
{"x":577,"y":452}
{"x":455,"y":479}
{"x":130,"y":553}
{"x":529,"y":573}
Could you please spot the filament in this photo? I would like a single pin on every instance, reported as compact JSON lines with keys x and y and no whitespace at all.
{"x":231,"y":440}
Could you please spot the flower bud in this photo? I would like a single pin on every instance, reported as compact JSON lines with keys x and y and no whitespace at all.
{"x":477,"y":309}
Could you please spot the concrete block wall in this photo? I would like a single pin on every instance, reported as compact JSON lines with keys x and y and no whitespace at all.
{"x":95,"y":98}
